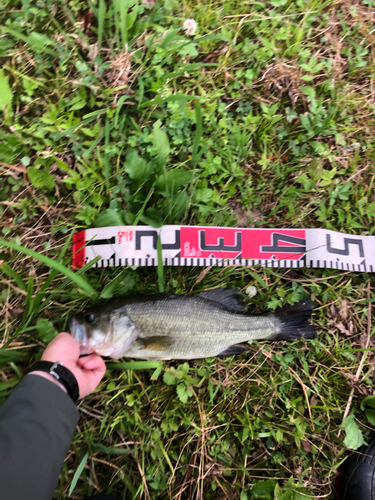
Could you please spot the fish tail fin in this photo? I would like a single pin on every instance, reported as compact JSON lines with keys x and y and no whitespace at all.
{"x":295,"y":321}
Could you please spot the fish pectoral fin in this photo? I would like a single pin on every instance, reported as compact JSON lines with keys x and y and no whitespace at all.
{"x":233,"y":349}
{"x":157,"y":343}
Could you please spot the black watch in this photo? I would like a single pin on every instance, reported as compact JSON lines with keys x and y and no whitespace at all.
{"x":62,"y":374}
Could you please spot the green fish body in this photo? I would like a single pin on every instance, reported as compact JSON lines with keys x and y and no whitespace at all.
{"x":168,"y":326}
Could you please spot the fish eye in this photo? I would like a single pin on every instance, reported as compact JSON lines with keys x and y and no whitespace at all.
{"x":89,"y":318}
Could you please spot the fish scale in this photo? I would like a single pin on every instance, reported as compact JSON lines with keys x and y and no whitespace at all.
{"x":168,"y":326}
{"x":193,"y":324}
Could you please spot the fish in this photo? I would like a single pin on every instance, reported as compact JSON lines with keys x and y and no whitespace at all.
{"x":167,"y":326}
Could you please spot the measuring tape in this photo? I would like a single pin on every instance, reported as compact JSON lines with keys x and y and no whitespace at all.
{"x":224,"y":246}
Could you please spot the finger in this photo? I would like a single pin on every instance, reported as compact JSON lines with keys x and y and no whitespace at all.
{"x":92,"y":362}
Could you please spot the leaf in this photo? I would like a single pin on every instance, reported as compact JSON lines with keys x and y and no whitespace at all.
{"x":263,"y":490}
{"x":78,"y":473}
{"x":160,"y":141}
{"x":110,"y":217}
{"x":370,"y":413}
{"x":354,"y":438}
{"x":6,"y":95}
{"x":137,"y":168}
{"x":183,"y":392}
{"x":369,"y":401}
{"x":46,"y":330}
{"x":172,"y":180}
{"x":123,"y":282}
{"x":40,"y":178}
{"x":152,"y":217}
{"x":169,"y":378}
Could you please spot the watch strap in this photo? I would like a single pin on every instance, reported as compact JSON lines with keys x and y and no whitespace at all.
{"x":61,"y":373}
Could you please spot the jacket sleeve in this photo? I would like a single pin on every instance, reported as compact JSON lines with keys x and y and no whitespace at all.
{"x":37,"y":423}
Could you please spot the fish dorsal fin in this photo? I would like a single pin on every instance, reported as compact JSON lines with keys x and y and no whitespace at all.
{"x":230,"y":298}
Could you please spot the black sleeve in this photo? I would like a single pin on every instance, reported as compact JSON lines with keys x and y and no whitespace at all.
{"x":37,"y":423}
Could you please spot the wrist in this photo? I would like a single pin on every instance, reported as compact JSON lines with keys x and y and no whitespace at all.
{"x":60,"y":373}
{"x":50,"y":377}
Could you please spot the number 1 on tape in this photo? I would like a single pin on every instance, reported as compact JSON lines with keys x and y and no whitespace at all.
{"x":224,"y":246}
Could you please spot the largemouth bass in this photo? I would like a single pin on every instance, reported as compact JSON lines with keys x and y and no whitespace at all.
{"x":168,"y":326}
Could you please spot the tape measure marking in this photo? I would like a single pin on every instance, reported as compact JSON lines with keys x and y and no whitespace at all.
{"x":221,"y":246}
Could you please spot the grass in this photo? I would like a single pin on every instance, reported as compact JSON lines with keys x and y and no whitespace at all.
{"x":112,"y":115}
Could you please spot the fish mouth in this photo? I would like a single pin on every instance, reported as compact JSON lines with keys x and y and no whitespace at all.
{"x":78,"y":331}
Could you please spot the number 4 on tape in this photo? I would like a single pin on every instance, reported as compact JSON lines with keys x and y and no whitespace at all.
{"x":224,"y":246}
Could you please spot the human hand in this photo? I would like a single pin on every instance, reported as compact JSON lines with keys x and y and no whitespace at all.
{"x":88,"y":370}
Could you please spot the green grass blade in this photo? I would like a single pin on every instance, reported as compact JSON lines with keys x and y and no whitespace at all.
{"x":134,"y":365}
{"x":80,"y":282}
{"x":107,"y":166}
{"x":43,"y":289}
{"x":78,"y":473}
{"x":140,"y":213}
{"x":101,"y":16}
{"x":99,"y":448}
{"x":14,"y":275}
{"x":198,"y":131}
{"x":160,"y":267}
{"x":7,"y":356}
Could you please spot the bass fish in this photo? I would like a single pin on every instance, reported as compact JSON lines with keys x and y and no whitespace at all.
{"x":168,"y":326}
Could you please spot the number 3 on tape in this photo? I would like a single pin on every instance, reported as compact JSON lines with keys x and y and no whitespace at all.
{"x":224,"y":246}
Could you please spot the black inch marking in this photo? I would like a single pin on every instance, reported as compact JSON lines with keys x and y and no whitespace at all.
{"x":144,"y":234}
{"x":106,"y":241}
{"x":139,"y":234}
{"x":173,"y":246}
{"x":112,"y":257}
{"x":220,"y":246}
{"x":347,"y":242}
{"x":278,"y":237}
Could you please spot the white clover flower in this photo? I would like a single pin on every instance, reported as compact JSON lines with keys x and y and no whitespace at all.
{"x":190,"y":26}
{"x":251,"y":291}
